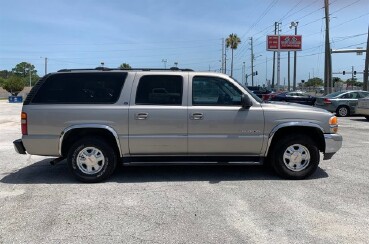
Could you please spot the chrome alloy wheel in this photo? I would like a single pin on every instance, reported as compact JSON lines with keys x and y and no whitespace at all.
{"x":90,"y":160}
{"x":296,"y":157}
{"x":342,"y":111}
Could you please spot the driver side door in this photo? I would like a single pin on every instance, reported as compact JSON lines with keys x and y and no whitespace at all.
{"x":217,"y":124}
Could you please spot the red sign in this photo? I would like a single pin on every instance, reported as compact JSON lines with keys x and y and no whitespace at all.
{"x":290,"y":43}
{"x":272,"y":43}
{"x":284,"y":43}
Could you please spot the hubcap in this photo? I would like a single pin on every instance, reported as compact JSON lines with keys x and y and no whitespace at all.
{"x":342,"y":111}
{"x":90,"y":160}
{"x":296,"y":157}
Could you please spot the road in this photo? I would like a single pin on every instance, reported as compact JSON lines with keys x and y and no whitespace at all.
{"x":40,"y":203}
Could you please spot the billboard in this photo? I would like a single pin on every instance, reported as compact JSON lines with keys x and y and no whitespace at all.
{"x":284,"y":43}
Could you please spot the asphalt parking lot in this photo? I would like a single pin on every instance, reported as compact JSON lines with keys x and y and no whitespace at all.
{"x":40,"y":203}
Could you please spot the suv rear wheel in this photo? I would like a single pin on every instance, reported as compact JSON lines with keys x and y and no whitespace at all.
{"x":295,"y":157}
{"x":92,"y":160}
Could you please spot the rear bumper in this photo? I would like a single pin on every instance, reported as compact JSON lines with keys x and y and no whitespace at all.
{"x":19,"y":147}
{"x":333,"y":143}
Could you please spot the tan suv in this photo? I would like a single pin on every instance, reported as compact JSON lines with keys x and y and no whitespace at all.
{"x":97,"y":118}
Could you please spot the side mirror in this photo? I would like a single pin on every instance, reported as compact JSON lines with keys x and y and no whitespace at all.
{"x":245,"y":101}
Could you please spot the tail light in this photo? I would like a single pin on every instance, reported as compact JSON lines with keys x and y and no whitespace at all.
{"x":327,"y":101}
{"x":24,"y":123}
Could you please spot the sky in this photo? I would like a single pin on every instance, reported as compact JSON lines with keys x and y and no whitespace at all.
{"x":144,"y":33}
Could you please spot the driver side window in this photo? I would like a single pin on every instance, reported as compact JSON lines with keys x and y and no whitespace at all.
{"x":214,"y":91}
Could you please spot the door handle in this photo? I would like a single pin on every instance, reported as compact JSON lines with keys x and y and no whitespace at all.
{"x":141,"y":116}
{"x":197,"y":116}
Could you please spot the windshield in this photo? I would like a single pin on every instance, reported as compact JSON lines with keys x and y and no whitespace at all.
{"x":258,"y":99}
{"x":334,"y":94}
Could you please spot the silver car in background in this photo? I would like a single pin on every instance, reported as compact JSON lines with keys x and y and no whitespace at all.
{"x":342,"y":103}
{"x":363,"y":107}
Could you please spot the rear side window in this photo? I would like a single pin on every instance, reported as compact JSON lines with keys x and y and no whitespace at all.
{"x":81,"y":88}
{"x":159,"y":90}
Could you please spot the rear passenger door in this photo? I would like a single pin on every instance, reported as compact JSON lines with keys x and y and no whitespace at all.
{"x":158,"y":114}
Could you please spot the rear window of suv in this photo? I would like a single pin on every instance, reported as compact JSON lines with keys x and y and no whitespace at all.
{"x":81,"y":88}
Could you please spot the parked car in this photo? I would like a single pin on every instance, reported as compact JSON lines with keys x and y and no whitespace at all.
{"x":343,"y":103}
{"x":363,"y":107}
{"x":259,"y":91}
{"x":98,"y":118}
{"x":294,"y":97}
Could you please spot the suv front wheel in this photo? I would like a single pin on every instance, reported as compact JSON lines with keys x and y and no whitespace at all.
{"x":295,"y":157}
{"x":92,"y":160}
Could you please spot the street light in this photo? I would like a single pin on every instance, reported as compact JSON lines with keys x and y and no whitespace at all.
{"x":294,"y":24}
{"x":165,"y":63}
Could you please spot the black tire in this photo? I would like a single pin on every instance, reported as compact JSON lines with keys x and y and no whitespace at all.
{"x":343,"y":111}
{"x":367,"y":117}
{"x":278,"y":150}
{"x":108,"y":164}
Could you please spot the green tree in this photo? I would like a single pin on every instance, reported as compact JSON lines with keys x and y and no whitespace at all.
{"x":2,"y":81}
{"x":14,"y":85}
{"x":125,"y":66}
{"x":22,"y":69}
{"x":4,"y":74}
{"x":314,"y":82}
{"x":351,"y":82}
{"x":232,"y":41}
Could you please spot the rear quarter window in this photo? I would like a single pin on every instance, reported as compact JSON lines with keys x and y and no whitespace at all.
{"x":81,"y":88}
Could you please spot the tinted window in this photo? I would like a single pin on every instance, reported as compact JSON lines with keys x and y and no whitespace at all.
{"x":364,"y":94}
{"x":81,"y":88}
{"x":214,"y":91}
{"x":351,"y":95}
{"x":334,"y":94}
{"x":160,"y":90}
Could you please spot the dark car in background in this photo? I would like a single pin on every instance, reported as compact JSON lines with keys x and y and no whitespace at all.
{"x":294,"y":97}
{"x":259,"y":91}
{"x":343,"y":103}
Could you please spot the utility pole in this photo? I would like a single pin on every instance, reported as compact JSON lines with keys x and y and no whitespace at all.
{"x":366,"y":66}
{"x":30,"y":76}
{"x":225,"y":60}
{"x":278,"y":60}
{"x":45,"y":66}
{"x":243,"y":72}
{"x":222,"y":70}
{"x":294,"y":24}
{"x":352,"y":73}
{"x":273,"y":75}
{"x":252,"y":62}
{"x":288,"y":71}
{"x":266,"y":71}
{"x":327,"y":59}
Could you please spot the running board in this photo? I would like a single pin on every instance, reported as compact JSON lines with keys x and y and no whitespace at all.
{"x":193,"y":160}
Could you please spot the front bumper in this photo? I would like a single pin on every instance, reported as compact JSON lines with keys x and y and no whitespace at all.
{"x":333,"y":143}
{"x":362,"y":111}
{"x":19,"y":147}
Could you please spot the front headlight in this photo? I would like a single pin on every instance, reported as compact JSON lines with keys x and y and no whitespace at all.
{"x":333,"y":123}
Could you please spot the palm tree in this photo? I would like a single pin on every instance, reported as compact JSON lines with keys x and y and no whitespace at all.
{"x":232,"y":41}
{"x":125,"y":66}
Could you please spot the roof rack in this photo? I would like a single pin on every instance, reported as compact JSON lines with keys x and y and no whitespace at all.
{"x":140,"y":69}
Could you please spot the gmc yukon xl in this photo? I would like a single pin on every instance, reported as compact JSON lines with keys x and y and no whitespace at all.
{"x":97,"y":118}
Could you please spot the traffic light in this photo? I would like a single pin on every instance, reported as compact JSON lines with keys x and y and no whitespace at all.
{"x":355,"y":72}
{"x":344,"y":72}
{"x":256,"y":73}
